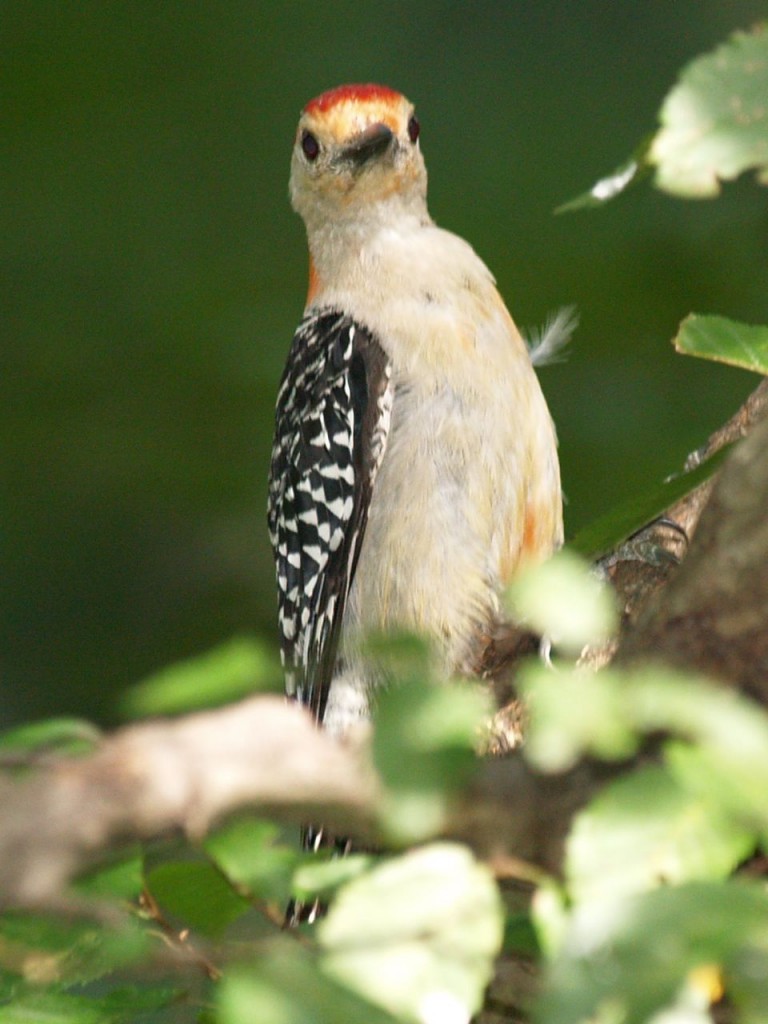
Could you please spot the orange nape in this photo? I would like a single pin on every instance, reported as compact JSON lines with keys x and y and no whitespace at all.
{"x":314,"y":282}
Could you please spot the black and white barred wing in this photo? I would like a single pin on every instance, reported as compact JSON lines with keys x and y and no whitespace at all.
{"x":332,"y":421}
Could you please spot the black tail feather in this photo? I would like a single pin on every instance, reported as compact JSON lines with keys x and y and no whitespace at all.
{"x":313,"y":839}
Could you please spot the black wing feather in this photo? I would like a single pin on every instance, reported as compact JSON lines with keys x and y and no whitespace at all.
{"x":332,"y":419}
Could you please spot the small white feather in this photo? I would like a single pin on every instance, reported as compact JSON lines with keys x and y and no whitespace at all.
{"x":546,"y":343}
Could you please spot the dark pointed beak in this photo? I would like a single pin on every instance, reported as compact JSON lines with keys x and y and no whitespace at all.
{"x":373,"y":142}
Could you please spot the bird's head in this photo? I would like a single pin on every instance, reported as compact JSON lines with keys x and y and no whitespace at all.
{"x":357,"y":146}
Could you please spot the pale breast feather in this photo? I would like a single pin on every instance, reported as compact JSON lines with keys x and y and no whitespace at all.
{"x":331,"y":426}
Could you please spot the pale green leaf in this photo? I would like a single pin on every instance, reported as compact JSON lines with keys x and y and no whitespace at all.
{"x":628,"y":959}
{"x":575,"y":712}
{"x":729,"y":727}
{"x":318,"y":877}
{"x":572,"y":712}
{"x":418,"y":934}
{"x":644,"y":830}
{"x":549,"y":913}
{"x":424,"y":750}
{"x":284,"y":986}
{"x":738,"y":784}
{"x":714,"y":122}
{"x":714,"y":126}
{"x":564,"y":601}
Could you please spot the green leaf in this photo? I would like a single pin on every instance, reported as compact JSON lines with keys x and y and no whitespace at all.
{"x":53,"y":1008}
{"x":318,"y":877}
{"x":47,"y":950}
{"x":122,"y":879}
{"x":418,"y":934}
{"x":197,"y":894}
{"x":628,"y":959}
{"x":714,"y":122}
{"x":520,"y":935}
{"x":424,"y":750}
{"x":54,"y":736}
{"x":722,"y":758}
{"x":248,"y":851}
{"x":726,"y":756}
{"x":645,"y":830}
{"x":549,"y":915}
{"x":401,"y":655}
{"x":10,"y":985}
{"x":738,"y":784}
{"x":608,"y":531}
{"x":714,"y":126}
{"x":227,"y":673}
{"x":564,"y":601}
{"x":123,"y":1006}
{"x":724,"y":341}
{"x":284,"y":986}
{"x":573,"y":712}
{"x":128,"y":1002}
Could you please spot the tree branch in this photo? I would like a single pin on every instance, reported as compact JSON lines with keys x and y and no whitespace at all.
{"x":636,"y":572}
{"x":264,"y":754}
{"x":148,"y":780}
{"x":713,"y":615}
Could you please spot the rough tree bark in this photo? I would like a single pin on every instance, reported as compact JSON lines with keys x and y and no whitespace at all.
{"x":713,"y":615}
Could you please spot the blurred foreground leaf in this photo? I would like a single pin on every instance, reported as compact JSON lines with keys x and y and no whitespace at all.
{"x":417,"y":935}
{"x":626,"y":960}
{"x":317,"y":877}
{"x":227,"y":673}
{"x":249,"y":852}
{"x":424,"y":748}
{"x":646,"y":829}
{"x":60,"y":736}
{"x":284,"y":986}
{"x":121,"y":879}
{"x":197,"y":894}
{"x":575,"y":713}
{"x":562,"y":600}
{"x":122,"y":1006}
{"x":724,"y":341}
{"x":52,"y":951}
{"x":647,"y":923}
{"x":572,"y":713}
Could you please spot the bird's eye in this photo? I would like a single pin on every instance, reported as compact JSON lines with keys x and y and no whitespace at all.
{"x":310,"y":147}
{"x":413,"y":128}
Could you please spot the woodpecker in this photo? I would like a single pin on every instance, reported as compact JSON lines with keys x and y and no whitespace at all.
{"x":414,"y":467}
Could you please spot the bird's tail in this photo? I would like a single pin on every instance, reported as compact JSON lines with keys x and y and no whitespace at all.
{"x":313,"y":839}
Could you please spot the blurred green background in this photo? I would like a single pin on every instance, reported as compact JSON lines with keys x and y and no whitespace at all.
{"x":153,"y":273}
